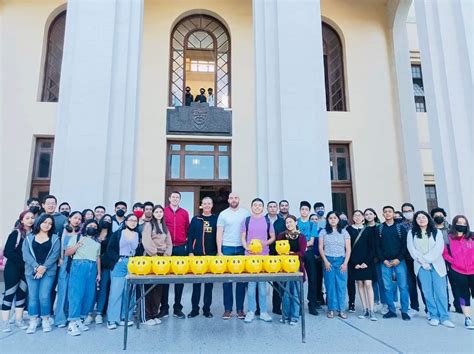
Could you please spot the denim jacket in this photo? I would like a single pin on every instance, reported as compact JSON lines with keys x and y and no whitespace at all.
{"x":30,"y":259}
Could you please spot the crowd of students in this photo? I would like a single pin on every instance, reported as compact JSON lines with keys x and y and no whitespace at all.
{"x":77,"y":261}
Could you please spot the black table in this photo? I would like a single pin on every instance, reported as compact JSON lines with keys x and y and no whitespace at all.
{"x":140,"y":280}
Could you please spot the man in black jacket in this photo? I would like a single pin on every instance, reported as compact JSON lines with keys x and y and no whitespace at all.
{"x":202,"y":242}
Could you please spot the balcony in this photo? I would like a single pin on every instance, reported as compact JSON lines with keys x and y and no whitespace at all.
{"x":198,"y":119}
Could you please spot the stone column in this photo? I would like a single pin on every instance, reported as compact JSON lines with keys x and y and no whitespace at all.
{"x":445,"y":32}
{"x":94,"y":154}
{"x":292,"y":132}
{"x":410,"y":154}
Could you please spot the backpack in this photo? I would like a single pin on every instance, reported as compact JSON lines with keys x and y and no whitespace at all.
{"x":70,"y":258}
{"x":247,"y":222}
{"x":399,"y":230}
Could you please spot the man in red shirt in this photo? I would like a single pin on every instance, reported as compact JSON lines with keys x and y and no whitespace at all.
{"x":177,"y":221}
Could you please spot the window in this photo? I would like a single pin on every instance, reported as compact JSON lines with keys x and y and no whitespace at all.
{"x":198,"y":161}
{"x":54,"y":57}
{"x":431,"y":197}
{"x":41,"y":177}
{"x":417,"y":78}
{"x":333,"y":70}
{"x":200,"y":57}
{"x":341,"y":181}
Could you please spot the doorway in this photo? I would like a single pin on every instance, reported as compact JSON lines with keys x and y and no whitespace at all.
{"x":341,"y":180}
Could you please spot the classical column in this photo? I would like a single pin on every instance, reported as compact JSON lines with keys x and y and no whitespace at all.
{"x":94,"y":153}
{"x":412,"y":172}
{"x":292,"y":132}
{"x":445,"y":32}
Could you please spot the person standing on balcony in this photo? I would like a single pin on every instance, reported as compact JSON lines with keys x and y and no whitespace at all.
{"x":188,"y":98}
{"x":211,"y":99}
{"x":201,"y":98}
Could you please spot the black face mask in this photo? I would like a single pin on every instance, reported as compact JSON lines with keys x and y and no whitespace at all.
{"x":343,"y":223}
{"x":65,"y":213}
{"x":131,"y":228}
{"x":34,"y":209}
{"x":91,"y":231}
{"x":461,"y":228}
{"x":105,"y":225}
{"x":438,"y":219}
{"x":120,"y":213}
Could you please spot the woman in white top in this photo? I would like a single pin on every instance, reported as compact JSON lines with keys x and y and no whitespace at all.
{"x":425,"y":244}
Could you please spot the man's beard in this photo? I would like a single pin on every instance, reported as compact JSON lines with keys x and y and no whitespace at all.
{"x":234,"y":205}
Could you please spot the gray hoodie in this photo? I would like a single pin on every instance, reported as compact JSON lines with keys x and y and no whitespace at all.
{"x":30,"y":258}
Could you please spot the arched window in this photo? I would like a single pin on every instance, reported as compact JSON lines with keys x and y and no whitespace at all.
{"x":333,"y":70}
{"x":54,"y":56}
{"x":200,"y":57}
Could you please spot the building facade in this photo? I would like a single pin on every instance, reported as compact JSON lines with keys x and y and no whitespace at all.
{"x":93,"y":102}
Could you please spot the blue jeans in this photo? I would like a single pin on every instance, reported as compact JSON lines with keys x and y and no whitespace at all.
{"x":379,"y":289}
{"x":103,"y":293}
{"x":434,"y":288}
{"x":401,"y":273}
{"x":39,"y":295}
{"x":239,"y":287}
{"x":335,"y":282}
{"x":117,"y":305}
{"x":81,"y":295}
{"x":61,"y":310}
{"x":291,"y":306}
{"x":252,"y":296}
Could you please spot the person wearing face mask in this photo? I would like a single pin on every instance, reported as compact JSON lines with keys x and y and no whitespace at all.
{"x":459,"y":253}
{"x":105,"y":233}
{"x":118,"y":218}
{"x":201,"y":97}
{"x":344,"y":222}
{"x":188,"y":97}
{"x":65,"y":209}
{"x":137,"y":210}
{"x":83,"y":276}
{"x":71,"y":230}
{"x":87,"y":214}
{"x":123,"y":244}
{"x":33,"y":205}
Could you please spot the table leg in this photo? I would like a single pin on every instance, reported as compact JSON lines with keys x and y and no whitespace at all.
{"x":303,"y":325}
{"x":141,"y":306}
{"x":127,"y":302}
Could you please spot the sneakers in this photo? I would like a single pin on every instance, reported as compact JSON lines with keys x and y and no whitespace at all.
{"x":179,"y":314}
{"x":448,"y":323}
{"x":122,"y":323}
{"x":227,"y":315}
{"x":378,"y":307}
{"x":208,"y":314}
{"x":352,"y":308}
{"x":433,"y":322}
{"x":249,"y":317}
{"x":157,"y":321}
{"x":264,"y":316}
{"x":313,"y":311}
{"x":46,"y":325}
{"x":89,"y":319}
{"x":342,"y":315}
{"x":21,"y":324}
{"x":412,"y":312}
{"x":468,"y":323}
{"x":163,"y":314}
{"x":390,"y":314}
{"x":111,"y":325}
{"x":293,"y":322}
{"x":405,"y":317}
{"x":364,"y":314}
{"x":151,"y":322}
{"x":73,"y":329}
{"x":82,"y":327}
{"x":32,"y":326}
{"x":384,"y":310}
{"x":61,"y":325}
{"x":5,"y":326}
{"x":193,"y":314}
{"x":99,"y":319}
{"x":372,"y":316}
{"x":330,"y":314}
{"x":240,"y":315}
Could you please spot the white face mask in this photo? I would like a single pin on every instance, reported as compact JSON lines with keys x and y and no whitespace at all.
{"x":408,"y":215}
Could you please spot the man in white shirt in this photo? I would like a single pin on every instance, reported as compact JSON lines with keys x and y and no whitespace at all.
{"x":211,"y":99}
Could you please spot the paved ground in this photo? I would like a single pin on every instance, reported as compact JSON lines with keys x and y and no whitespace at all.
{"x":202,"y":335}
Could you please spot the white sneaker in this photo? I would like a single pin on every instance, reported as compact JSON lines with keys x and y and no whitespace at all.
{"x":89,"y":319}
{"x":99,"y":319}
{"x":82,"y":327}
{"x":384,"y":309}
{"x":122,"y":323}
{"x":249,"y":317}
{"x":61,"y":325}
{"x":32,"y":325}
{"x":51,"y":320}
{"x":448,"y":323}
{"x":378,"y":307}
{"x":5,"y":326}
{"x":157,"y":321}
{"x":150,"y":322}
{"x":46,"y":325}
{"x":264,"y":316}
{"x":111,"y":325}
{"x":433,"y":322}
{"x":73,"y":329}
{"x":21,"y":324}
{"x":412,"y":313}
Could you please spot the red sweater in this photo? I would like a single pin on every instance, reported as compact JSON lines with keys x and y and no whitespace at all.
{"x":178,"y":225}
{"x":460,"y":254}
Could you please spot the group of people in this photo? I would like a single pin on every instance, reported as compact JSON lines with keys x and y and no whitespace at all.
{"x":201,"y":98}
{"x":77,"y":261}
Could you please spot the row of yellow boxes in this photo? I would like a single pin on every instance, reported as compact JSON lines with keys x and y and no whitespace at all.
{"x":213,"y":264}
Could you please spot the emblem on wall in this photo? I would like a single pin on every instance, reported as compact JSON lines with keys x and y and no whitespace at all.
{"x":199,"y":118}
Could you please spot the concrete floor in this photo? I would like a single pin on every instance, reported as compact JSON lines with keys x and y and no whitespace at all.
{"x":202,"y":335}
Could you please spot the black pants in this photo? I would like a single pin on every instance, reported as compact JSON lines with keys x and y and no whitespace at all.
{"x":319,"y":281}
{"x":15,"y":287}
{"x":310,"y":266}
{"x":152,"y":301}
{"x":413,"y":285}
{"x":454,"y":290}
{"x":276,"y":298}
{"x":351,"y":288}
{"x":178,"y":288}
{"x":464,"y":287}
{"x":196,"y":296}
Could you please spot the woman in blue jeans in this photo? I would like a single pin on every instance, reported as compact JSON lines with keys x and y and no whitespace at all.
{"x":70,"y":231}
{"x":40,"y":252}
{"x":123,"y":244}
{"x":84,"y":275}
{"x":335,"y":250}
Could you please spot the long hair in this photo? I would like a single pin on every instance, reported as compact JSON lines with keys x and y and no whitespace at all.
{"x":42,"y":218}
{"x":102,"y":224}
{"x":431,"y":229}
{"x":376,"y":219}
{"x":328,"y":227}
{"x":467,"y":234}
{"x":155,"y":223}
{"x":21,"y":227}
